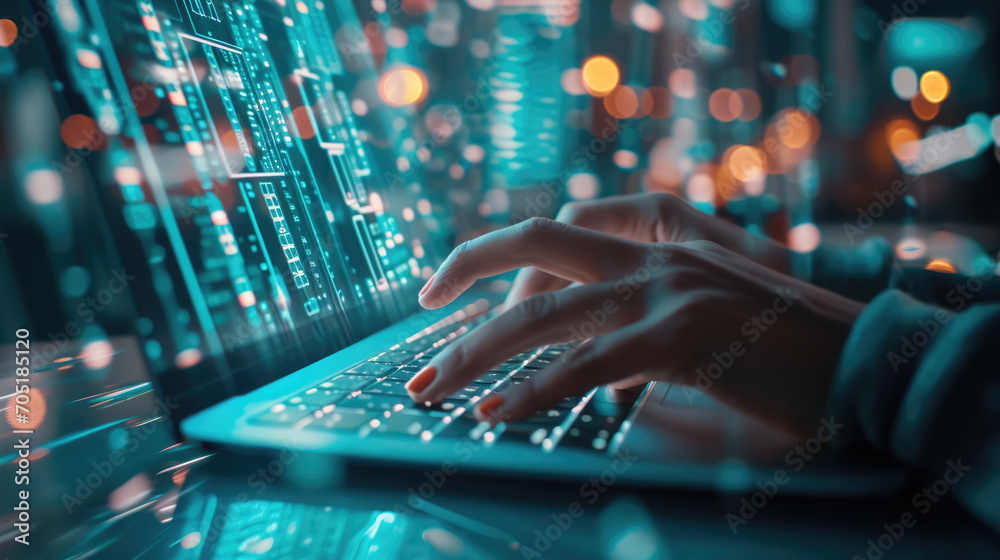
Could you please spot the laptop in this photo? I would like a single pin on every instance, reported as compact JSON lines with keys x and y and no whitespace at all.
{"x":262,"y":189}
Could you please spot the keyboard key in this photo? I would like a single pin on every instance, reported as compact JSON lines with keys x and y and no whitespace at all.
{"x":283,"y":414}
{"x":492,"y":376}
{"x":389,"y":387}
{"x":443,"y":408}
{"x":318,"y":398}
{"x":552,"y":417}
{"x":393,"y":357}
{"x":467,"y":392}
{"x":406,"y":423}
{"x":369,"y":368}
{"x":458,"y":428}
{"x":370,"y":402}
{"x":345,"y":420}
{"x":346,"y":383}
{"x":591,"y":424}
{"x":524,"y":433}
{"x":403,"y":374}
{"x":612,"y":409}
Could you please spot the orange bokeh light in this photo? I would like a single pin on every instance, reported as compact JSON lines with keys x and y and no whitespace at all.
{"x":8,"y":32}
{"x":747,"y":163}
{"x":935,"y":86}
{"x":922,"y":108}
{"x":725,"y":105}
{"x":903,"y":137}
{"x":751,"y":104}
{"x":33,"y":402}
{"x":656,"y":102}
{"x":941,"y":265}
{"x":797,"y":129}
{"x":600,"y":75}
{"x":418,"y":7}
{"x":622,"y":102}
{"x":403,"y":85}
{"x":303,"y":123}
{"x":81,"y":132}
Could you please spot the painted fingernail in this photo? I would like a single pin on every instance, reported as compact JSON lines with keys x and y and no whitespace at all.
{"x":421,"y":380}
{"x":427,"y":286}
{"x":486,"y":411}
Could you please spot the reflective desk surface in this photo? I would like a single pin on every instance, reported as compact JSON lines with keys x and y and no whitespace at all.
{"x":109,"y":479}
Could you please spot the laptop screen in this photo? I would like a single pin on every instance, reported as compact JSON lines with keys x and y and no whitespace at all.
{"x":254,"y":180}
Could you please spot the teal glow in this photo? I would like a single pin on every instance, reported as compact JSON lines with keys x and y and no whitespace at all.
{"x":931,"y":42}
{"x":795,"y":15}
{"x":983,"y":123}
{"x":706,"y":207}
{"x":74,"y":281}
{"x":702,"y":151}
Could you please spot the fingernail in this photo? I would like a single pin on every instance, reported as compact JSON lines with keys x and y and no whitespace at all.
{"x":427,"y":286}
{"x":487,"y":407}
{"x":421,"y":380}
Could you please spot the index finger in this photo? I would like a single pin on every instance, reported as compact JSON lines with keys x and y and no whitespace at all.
{"x":573,"y":253}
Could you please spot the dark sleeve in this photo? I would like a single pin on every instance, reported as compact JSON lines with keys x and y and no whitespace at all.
{"x":921,"y":382}
{"x":859,"y":272}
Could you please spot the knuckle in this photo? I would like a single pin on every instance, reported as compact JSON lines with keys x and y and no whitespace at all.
{"x":703,"y":246}
{"x":458,"y":356}
{"x":461,"y":253}
{"x":588,"y":355}
{"x":537,"y":307}
{"x":678,"y":279}
{"x":536,"y":226}
{"x":667,"y":202}
{"x":572,"y":212}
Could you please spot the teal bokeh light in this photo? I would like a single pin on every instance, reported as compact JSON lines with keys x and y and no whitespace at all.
{"x":796,"y":15}
{"x":926,"y":42}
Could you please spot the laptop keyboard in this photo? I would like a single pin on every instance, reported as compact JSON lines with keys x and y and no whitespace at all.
{"x":370,"y":399}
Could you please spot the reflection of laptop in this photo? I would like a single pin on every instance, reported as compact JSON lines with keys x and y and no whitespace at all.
{"x":276,"y":260}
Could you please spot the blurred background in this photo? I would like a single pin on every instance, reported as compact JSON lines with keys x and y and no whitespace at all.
{"x":789,"y":117}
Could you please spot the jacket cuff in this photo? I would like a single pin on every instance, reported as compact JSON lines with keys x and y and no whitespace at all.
{"x":878,"y":363}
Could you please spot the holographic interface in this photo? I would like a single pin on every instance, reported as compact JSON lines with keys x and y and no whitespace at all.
{"x":242,"y":178}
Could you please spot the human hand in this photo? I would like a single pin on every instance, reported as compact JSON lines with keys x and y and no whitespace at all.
{"x":690,"y":313}
{"x":650,"y":217}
